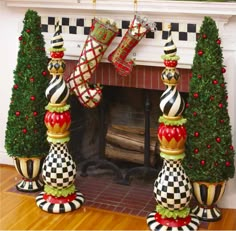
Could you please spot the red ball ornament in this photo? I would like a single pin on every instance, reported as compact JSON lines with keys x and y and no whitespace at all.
{"x":218,"y":41}
{"x":200,"y":52}
{"x":20,"y":38}
{"x":199,"y":76}
{"x":15,"y":86}
{"x":187,"y":105}
{"x":44,"y":73}
{"x":24,"y":130}
{"x":196,"y":150}
{"x":215,"y":81}
{"x":195,"y":113}
{"x":204,"y":36}
{"x":220,"y":105}
{"x":202,"y":162}
{"x":195,"y":95}
{"x":35,"y":113}
{"x":196,"y":134}
{"x":223,"y":70}
{"x":32,"y":79}
{"x":208,"y":146}
{"x":28,"y":30}
{"x":227,"y":164}
{"x":222,"y":85}
{"x":32,"y":98}
{"x":212,"y":98}
{"x":218,"y":139}
{"x":17,"y":113}
{"x":222,"y":121}
{"x":231,"y":147}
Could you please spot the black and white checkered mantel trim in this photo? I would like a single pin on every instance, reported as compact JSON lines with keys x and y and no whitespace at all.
{"x":180,"y":31}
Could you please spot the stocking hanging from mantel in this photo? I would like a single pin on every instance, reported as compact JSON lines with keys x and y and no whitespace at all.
{"x":102,"y":32}
{"x":137,"y":30}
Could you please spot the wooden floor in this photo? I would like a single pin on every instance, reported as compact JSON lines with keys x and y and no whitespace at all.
{"x":19,"y":212}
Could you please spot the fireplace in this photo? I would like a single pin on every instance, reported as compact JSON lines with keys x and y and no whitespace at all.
{"x":120,"y":134}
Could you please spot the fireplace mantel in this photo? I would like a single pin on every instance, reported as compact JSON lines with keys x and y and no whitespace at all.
{"x":148,"y":52}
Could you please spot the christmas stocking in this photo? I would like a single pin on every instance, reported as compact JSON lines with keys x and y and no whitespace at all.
{"x":137,"y":29}
{"x":102,"y":32}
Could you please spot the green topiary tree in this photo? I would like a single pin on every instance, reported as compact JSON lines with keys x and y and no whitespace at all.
{"x":26,"y":133}
{"x":209,"y":149}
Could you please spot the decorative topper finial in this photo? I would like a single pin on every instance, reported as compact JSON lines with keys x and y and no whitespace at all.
{"x":170,"y":48}
{"x":57,"y":40}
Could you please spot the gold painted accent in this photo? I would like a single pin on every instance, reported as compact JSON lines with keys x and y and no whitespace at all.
{"x":172,"y":117}
{"x":56,"y":104}
{"x":172,"y":151}
{"x":58,"y":136}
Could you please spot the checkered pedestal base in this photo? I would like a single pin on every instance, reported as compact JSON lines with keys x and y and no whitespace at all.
{"x":53,"y":204}
{"x":172,"y":188}
{"x":156,"y":222}
{"x":207,"y":214}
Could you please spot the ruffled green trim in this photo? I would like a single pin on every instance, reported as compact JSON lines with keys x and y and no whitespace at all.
{"x":52,"y":108}
{"x":172,"y":157}
{"x":59,"y":192}
{"x":58,"y":140}
{"x":168,"y":57}
{"x":56,"y":49}
{"x":178,"y":122}
{"x":166,"y":213}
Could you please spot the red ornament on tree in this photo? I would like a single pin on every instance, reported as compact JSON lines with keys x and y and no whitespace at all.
{"x":186,"y":105}
{"x":218,"y":41}
{"x":24,"y":130}
{"x":195,"y":113}
{"x":15,"y":86}
{"x":28,"y":30}
{"x":215,"y":81}
{"x":222,"y":85}
{"x":20,"y":38}
{"x":32,"y":79}
{"x":44,"y":73}
{"x":202,"y":162}
{"x":220,"y":105}
{"x":222,"y":121}
{"x":17,"y":113}
{"x":218,"y":139}
{"x":35,"y":113}
{"x":196,"y":134}
{"x":216,"y":164}
{"x":227,"y":164}
{"x":223,"y":70}
{"x":208,"y":146}
{"x":32,"y":98}
{"x":199,"y":76}
{"x":204,"y":36}
{"x":200,"y":52}
{"x":212,"y":98}
{"x":231,"y":147}
{"x":195,"y":95}
{"x":196,"y":150}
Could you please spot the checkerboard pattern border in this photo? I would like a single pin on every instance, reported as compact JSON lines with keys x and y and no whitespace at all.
{"x":180,"y":31}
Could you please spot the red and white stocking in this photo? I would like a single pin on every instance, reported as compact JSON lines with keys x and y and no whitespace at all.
{"x":102,"y":32}
{"x":137,"y":29}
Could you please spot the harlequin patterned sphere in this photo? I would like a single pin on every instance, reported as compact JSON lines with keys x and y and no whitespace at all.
{"x":59,"y":169}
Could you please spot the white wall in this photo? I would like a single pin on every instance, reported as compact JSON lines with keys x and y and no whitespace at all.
{"x":11,"y":22}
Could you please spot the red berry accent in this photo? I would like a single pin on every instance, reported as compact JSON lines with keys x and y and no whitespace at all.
{"x":218,"y":41}
{"x":195,"y":95}
{"x":20,"y":38}
{"x":28,"y":30}
{"x":31,"y":79}
{"x":215,"y":81}
{"x":222,"y":85}
{"x":202,"y":162}
{"x":44,"y":73}
{"x":199,"y":76}
{"x":187,"y":105}
{"x":222,"y":121}
{"x":24,"y":130}
{"x":35,"y":113}
{"x":196,"y":150}
{"x":227,"y":164}
{"x":15,"y":86}
{"x":17,"y":113}
{"x":196,"y":134}
{"x":220,"y":105}
{"x":208,"y":146}
{"x":231,"y":147}
{"x":200,"y":53}
{"x":204,"y":36}
{"x":195,"y":113}
{"x":218,"y":139}
{"x":223,"y":70}
{"x":32,"y":98}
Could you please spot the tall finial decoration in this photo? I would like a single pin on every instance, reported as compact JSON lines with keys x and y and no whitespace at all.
{"x":172,"y":188}
{"x":59,"y":169}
